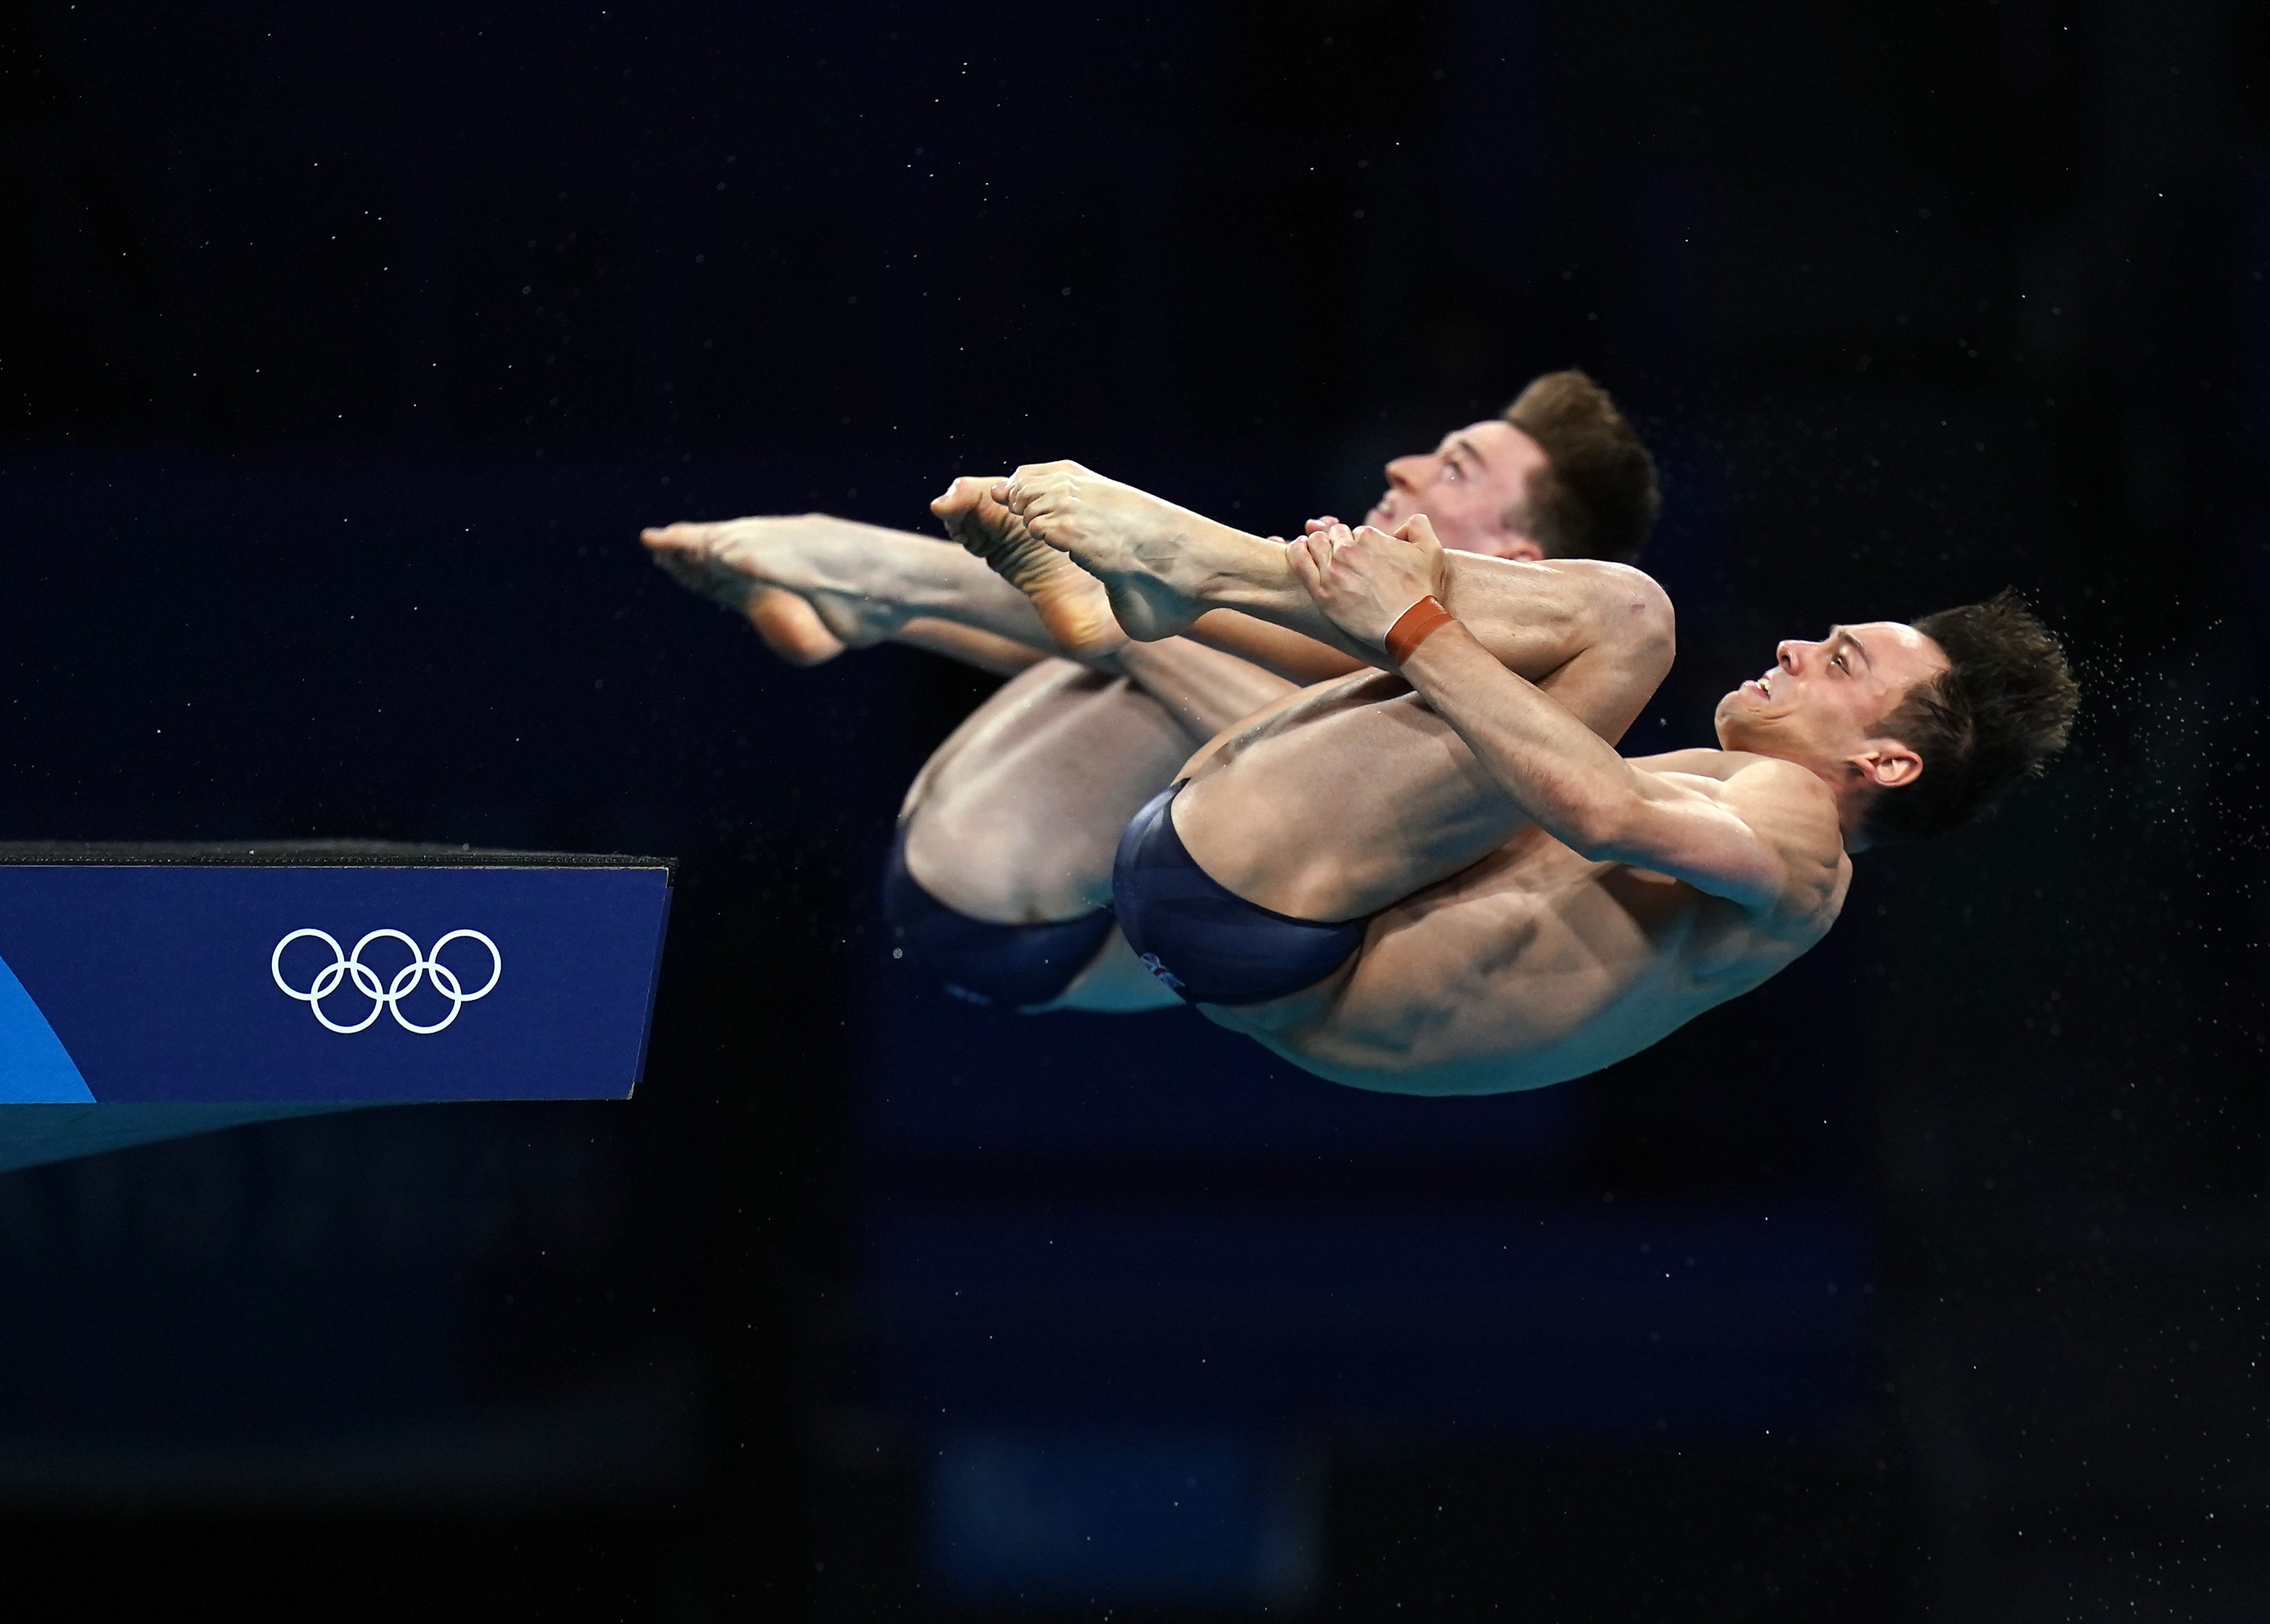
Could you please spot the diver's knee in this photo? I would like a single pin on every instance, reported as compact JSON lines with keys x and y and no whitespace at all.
{"x":1633,"y":612}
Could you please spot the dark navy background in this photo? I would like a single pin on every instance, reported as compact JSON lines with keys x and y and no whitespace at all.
{"x":158,"y":980}
{"x":342,"y":353}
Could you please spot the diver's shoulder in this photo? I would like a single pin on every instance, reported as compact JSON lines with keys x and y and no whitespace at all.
{"x":1700,"y":762}
{"x":1777,"y":773}
{"x":1782,"y":795}
{"x":1746,"y":778}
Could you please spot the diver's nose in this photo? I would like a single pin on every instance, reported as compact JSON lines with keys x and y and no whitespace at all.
{"x":1408,"y":474}
{"x":1787,"y":652}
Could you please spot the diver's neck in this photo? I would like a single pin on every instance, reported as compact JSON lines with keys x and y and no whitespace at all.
{"x":1853,"y":800}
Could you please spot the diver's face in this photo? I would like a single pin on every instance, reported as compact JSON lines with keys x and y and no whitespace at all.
{"x":1466,"y":487}
{"x":1823,"y":702}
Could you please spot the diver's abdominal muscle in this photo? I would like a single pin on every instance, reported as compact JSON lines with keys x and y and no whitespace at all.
{"x":1566,"y":966}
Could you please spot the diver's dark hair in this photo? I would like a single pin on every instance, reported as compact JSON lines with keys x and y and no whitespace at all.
{"x":2003,"y":707}
{"x":1595,"y":498}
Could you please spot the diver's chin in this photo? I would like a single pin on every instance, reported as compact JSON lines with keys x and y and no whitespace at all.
{"x":1733,"y":724}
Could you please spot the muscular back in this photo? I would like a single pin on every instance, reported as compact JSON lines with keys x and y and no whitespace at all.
{"x":1537,"y":964}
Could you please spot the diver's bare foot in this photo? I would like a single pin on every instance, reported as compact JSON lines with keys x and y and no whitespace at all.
{"x":684,"y":552}
{"x":1071,"y":603}
{"x":734,"y":563}
{"x":791,"y":627}
{"x":1156,"y":561}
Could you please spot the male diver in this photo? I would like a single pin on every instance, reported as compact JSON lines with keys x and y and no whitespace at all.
{"x":999,"y":880}
{"x":1439,"y":876}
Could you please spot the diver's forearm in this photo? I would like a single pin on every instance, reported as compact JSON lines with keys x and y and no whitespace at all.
{"x":1551,"y":765}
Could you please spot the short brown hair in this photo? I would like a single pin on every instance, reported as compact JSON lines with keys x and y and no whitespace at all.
{"x":1596,"y":497}
{"x":2002,"y":708}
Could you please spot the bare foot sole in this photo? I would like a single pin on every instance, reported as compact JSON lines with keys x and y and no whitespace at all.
{"x":739,"y":564}
{"x":1148,"y":553}
{"x":791,"y":627}
{"x":1073,"y":605}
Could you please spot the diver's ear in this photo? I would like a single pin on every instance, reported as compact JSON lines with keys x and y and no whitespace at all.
{"x":1888,"y":764}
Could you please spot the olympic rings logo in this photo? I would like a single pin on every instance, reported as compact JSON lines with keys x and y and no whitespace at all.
{"x":385,"y":995}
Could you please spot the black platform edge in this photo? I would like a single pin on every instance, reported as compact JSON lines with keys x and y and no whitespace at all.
{"x":307,"y":854}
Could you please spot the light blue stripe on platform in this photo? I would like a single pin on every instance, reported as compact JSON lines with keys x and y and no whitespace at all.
{"x":35,"y":1068}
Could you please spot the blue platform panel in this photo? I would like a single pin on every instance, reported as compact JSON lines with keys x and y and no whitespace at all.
{"x":336,"y":982}
{"x":35,"y":1068}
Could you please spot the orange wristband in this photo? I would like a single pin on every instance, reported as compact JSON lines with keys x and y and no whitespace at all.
{"x":1417,"y":624}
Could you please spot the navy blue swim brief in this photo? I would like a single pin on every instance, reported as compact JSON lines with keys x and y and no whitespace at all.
{"x":1205,"y":942}
{"x":1021,"y":965}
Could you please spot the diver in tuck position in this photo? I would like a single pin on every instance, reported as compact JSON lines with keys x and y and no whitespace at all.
{"x":999,"y":879}
{"x":1439,"y":876}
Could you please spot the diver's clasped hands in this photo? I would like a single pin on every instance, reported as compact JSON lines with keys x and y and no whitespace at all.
{"x":1365,"y":580}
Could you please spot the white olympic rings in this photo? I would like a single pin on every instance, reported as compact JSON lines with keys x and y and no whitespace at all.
{"x":387,"y":995}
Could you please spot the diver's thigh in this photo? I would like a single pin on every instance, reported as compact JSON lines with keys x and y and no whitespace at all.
{"x":1027,"y":700}
{"x":1020,"y":825}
